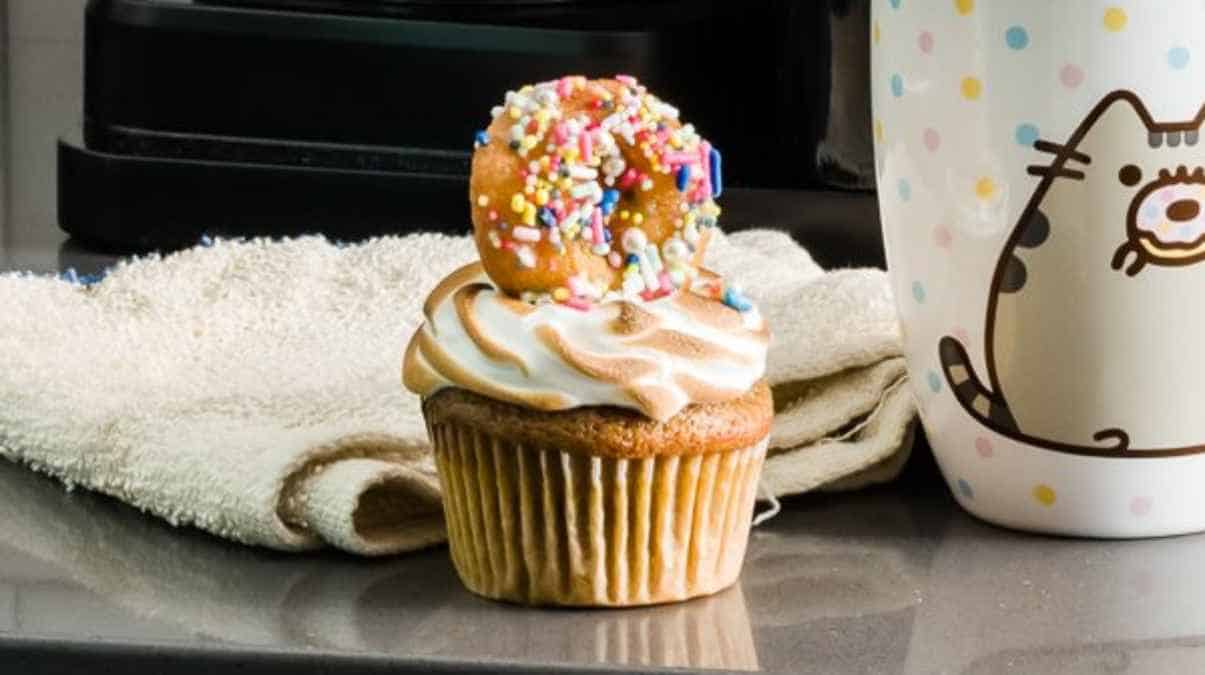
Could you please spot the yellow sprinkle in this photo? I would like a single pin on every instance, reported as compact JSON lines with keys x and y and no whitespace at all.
{"x":561,"y":294}
{"x":1044,"y":494}
{"x":971,"y":88}
{"x":529,"y":190}
{"x":541,"y":197}
{"x":571,"y":154}
{"x":964,"y":7}
{"x":878,"y":130}
{"x":877,"y":32}
{"x":483,"y":200}
{"x":529,"y":141}
{"x":545,"y":162}
{"x":514,"y":112}
{"x":637,"y":218}
{"x":541,"y":116}
{"x":625,"y":214}
{"x":529,"y":215}
{"x":1115,"y":19}
{"x":985,"y":187}
{"x":690,"y":217}
{"x":565,"y":184}
{"x":518,"y":203}
{"x":525,"y":89}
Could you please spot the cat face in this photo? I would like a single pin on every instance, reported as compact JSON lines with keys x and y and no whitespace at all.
{"x":1157,"y":178}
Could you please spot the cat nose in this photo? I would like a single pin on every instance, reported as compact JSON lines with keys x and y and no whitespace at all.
{"x":1183,"y":210}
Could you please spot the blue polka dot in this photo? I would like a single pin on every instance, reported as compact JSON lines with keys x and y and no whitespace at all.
{"x":905,"y":189}
{"x":1177,"y":57}
{"x":1027,"y":134}
{"x":1016,"y":37}
{"x":897,"y":85}
{"x":964,"y":488}
{"x":934,"y":381}
{"x":895,"y":4}
{"x":918,"y":291}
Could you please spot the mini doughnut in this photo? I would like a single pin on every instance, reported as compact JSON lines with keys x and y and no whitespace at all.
{"x":586,"y":188}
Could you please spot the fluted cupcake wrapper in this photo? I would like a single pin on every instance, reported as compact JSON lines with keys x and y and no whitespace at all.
{"x":541,"y":526}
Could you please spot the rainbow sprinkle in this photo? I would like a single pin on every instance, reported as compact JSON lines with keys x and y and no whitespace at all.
{"x":576,"y":177}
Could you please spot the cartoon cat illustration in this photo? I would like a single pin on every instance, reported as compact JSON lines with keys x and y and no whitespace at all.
{"x":1095,"y":333}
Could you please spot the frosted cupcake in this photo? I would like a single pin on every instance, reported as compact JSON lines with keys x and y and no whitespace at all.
{"x":599,"y":428}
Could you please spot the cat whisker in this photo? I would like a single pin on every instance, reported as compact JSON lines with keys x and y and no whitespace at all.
{"x":1062,"y":151}
{"x":1056,"y":172}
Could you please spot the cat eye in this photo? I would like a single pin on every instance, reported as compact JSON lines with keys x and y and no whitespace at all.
{"x":1129,"y":175}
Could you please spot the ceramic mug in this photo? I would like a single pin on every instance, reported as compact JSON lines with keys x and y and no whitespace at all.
{"x":1042,"y":191}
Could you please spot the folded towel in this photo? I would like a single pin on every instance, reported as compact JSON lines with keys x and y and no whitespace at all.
{"x":252,"y":389}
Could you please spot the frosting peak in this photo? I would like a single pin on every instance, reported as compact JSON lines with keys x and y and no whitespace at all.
{"x":656,"y":356}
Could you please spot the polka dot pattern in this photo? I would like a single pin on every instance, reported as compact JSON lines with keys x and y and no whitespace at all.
{"x":1044,"y":494}
{"x":1026,"y":134}
{"x":924,"y":42}
{"x":942,"y":236}
{"x":983,"y":448}
{"x":964,"y":7}
{"x":971,"y":88}
{"x":897,"y":85}
{"x":1141,"y":506}
{"x":964,"y":489}
{"x":1071,"y":76}
{"x":934,"y":381}
{"x":1016,"y":37}
{"x":1115,"y":19}
{"x":918,"y":292}
{"x":1178,"y":57}
{"x":905,"y":189}
{"x":895,"y":4}
{"x":931,"y":139}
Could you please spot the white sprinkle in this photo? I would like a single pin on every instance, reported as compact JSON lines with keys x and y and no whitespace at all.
{"x":496,"y":110}
{"x":601,"y":248}
{"x":634,"y":240}
{"x":646,"y":270}
{"x":654,"y":257}
{"x":523,"y":233}
{"x":582,"y":172}
{"x":526,"y":256}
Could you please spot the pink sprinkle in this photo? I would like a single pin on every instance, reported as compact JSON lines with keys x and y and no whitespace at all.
{"x":705,"y":162}
{"x":680,"y":158}
{"x":493,"y":214}
{"x":648,"y":295}
{"x":667,"y":284}
{"x":626,"y":79}
{"x":577,"y":286}
{"x":564,"y":87}
{"x":596,"y":226}
{"x":663,"y":134}
{"x":508,"y":245}
{"x":580,"y":304}
{"x":615,"y":260}
{"x":554,"y":164}
{"x":560,"y":133}
{"x":628,"y":180}
{"x":586,"y":145}
{"x":523,"y":173}
{"x":559,"y":210}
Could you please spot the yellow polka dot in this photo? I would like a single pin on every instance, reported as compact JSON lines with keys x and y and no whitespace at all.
{"x":964,"y":7}
{"x":877,"y":33}
{"x":878,"y":130}
{"x":985,"y":187}
{"x":1115,"y":19}
{"x":971,"y":88}
{"x":1044,"y":494}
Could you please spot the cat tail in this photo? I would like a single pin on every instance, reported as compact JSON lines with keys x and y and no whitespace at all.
{"x":977,"y":399}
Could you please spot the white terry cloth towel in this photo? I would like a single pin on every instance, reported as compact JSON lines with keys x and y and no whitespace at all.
{"x":252,"y":388}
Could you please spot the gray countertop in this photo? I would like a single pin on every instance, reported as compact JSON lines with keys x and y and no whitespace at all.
{"x":892,"y":580}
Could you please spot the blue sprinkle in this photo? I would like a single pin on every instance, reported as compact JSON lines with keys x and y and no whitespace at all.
{"x":89,"y":279}
{"x":481,"y":138}
{"x":735,"y":300}
{"x":606,"y":207}
{"x":70,"y":275}
{"x":547,"y":216}
{"x":611,"y":196}
{"x":633,"y":259}
{"x":206,"y":240}
{"x":607,"y":235}
{"x":683,"y":177}
{"x":717,"y":174}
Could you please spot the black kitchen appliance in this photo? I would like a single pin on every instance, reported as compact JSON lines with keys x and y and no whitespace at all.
{"x":355,"y":117}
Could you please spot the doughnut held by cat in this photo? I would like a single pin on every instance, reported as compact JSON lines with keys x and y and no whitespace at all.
{"x":582,"y":189}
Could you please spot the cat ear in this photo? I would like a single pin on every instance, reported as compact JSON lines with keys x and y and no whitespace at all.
{"x":1121,"y":110}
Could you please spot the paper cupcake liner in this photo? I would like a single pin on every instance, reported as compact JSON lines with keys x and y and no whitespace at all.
{"x":541,"y":526}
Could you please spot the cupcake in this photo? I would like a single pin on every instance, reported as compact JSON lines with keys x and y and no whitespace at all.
{"x":595,"y":399}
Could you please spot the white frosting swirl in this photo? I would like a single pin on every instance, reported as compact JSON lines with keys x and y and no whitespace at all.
{"x":656,"y":357}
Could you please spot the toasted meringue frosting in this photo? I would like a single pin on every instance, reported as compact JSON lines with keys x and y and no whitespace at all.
{"x":655,"y":356}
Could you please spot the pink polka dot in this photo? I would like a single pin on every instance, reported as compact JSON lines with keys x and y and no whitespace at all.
{"x":984,"y":447}
{"x":932,"y":140}
{"x":925,"y":42}
{"x":1071,"y":76}
{"x":1140,"y":506}
{"x":942,"y":236}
